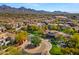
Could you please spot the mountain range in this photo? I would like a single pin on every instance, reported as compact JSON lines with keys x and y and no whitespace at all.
{"x":23,"y":10}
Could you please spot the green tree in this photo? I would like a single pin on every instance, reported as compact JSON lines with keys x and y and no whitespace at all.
{"x":35,"y":30}
{"x":35,"y":40}
{"x":71,"y":43}
{"x":21,"y":37}
{"x":69,"y":31}
{"x":55,"y":50}
{"x":52,"y":27}
{"x":32,"y":28}
{"x":75,"y":37}
{"x":70,"y":51}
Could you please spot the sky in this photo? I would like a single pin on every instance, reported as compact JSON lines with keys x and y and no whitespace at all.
{"x":64,"y":7}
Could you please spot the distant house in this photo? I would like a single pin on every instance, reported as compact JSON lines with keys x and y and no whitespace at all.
{"x":63,"y":26}
{"x":2,"y":29}
{"x":71,"y":24}
{"x":76,"y":28}
{"x":5,"y":40}
{"x":62,"y":44}
{"x":49,"y":35}
{"x":39,"y":24}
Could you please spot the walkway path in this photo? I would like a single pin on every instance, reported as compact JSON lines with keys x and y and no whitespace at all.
{"x":44,"y":48}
